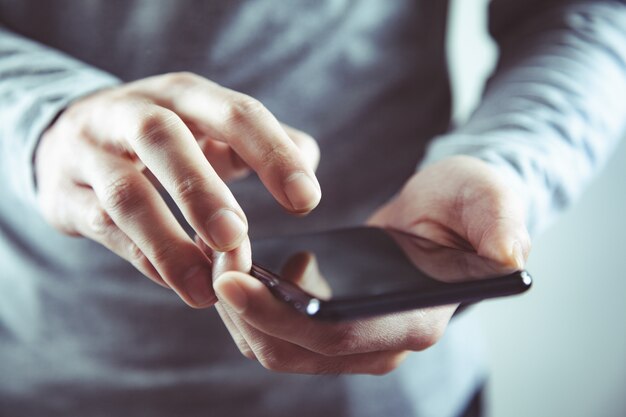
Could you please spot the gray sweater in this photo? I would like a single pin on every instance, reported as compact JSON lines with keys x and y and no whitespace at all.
{"x":82,"y":333}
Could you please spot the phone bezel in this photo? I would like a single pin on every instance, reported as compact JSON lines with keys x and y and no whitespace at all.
{"x":392,"y":302}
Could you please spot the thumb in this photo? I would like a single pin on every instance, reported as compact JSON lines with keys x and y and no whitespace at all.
{"x":238,"y":259}
{"x":506,"y":241}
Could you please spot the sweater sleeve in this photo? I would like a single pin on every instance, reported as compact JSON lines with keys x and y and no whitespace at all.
{"x":36,"y":84}
{"x":555,"y":107}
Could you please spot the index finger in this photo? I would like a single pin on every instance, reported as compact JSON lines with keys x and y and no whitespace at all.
{"x":167,"y":147}
{"x":247,"y":127}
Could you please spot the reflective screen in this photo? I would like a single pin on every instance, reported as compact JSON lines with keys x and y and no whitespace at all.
{"x":365,"y":261}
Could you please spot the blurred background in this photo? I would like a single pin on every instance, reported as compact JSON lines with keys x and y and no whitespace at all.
{"x":559,"y":350}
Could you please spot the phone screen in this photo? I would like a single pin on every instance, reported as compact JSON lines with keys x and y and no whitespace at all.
{"x":366,"y":271}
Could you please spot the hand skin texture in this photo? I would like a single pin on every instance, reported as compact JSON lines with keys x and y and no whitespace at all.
{"x":459,"y":202}
{"x":100,"y":165}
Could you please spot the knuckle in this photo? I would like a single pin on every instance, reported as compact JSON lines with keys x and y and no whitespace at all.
{"x":163,"y":254}
{"x":120,"y":195}
{"x":183,"y":79}
{"x":138,"y":259}
{"x":243,"y":108}
{"x":340,"y":342}
{"x":272,"y":358}
{"x":154,"y":127}
{"x":136,"y":256}
{"x":274,"y":154}
{"x":99,"y":221}
{"x":246,"y":351}
{"x":190,"y":189}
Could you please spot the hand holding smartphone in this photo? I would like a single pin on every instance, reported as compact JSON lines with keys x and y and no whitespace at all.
{"x":367,"y":271}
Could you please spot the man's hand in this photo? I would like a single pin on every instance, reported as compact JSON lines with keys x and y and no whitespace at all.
{"x":463,"y":203}
{"x":96,"y":166}
{"x":459,"y":202}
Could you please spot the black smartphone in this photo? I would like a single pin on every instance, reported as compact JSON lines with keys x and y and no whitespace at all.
{"x":367,"y":271}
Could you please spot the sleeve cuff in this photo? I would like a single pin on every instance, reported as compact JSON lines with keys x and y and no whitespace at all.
{"x":36,"y":112}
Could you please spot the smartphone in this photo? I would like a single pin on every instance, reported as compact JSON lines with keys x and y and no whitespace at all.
{"x":366,"y":271}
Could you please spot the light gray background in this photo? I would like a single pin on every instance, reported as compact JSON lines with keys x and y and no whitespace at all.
{"x":559,"y":350}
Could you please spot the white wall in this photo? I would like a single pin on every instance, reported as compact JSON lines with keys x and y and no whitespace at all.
{"x":559,"y":350}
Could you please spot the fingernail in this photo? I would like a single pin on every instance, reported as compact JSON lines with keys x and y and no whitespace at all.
{"x":234,"y":296}
{"x":196,"y":285}
{"x":225,"y":229}
{"x":518,"y":255}
{"x":302,"y":192}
